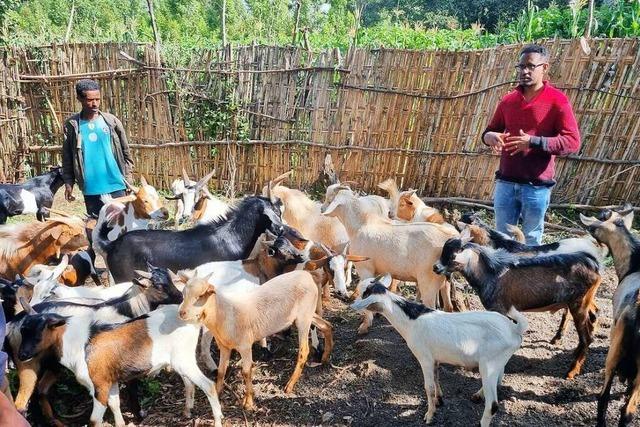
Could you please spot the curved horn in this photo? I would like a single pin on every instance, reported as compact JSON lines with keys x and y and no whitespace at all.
{"x":185,"y":177}
{"x":172,"y":197}
{"x":131,"y":187}
{"x":25,"y":305}
{"x":328,"y":251}
{"x":277,"y":180}
{"x":203,"y":181}
{"x":143,"y":180}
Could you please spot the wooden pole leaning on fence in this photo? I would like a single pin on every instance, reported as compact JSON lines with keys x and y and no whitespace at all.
{"x":156,"y":36}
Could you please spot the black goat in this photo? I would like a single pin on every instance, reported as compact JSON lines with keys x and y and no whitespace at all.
{"x":227,"y":239}
{"x":33,"y":196}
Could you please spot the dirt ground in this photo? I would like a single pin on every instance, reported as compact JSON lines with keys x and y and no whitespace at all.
{"x":374,"y":380}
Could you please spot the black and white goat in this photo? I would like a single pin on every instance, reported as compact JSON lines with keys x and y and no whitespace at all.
{"x":225,"y":240}
{"x":474,"y":339}
{"x":543,"y":283}
{"x":623,"y":357}
{"x":34,"y":196}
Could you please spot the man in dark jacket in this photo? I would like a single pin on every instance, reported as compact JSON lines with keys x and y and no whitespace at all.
{"x":95,"y":152}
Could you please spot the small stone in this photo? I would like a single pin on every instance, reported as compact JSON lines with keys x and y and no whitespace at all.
{"x":327,"y":416}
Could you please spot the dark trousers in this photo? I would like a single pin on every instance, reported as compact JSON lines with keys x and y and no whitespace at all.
{"x":94,"y":204}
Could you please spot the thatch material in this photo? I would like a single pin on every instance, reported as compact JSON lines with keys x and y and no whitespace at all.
{"x":254,"y":112}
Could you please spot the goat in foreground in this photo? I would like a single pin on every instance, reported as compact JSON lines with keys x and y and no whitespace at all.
{"x":484,"y":340}
{"x":237,"y":321}
{"x":623,"y":357}
{"x":544,"y":283}
{"x":103,"y":355}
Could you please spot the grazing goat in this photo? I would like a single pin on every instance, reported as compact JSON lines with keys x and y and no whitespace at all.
{"x":407,"y":251}
{"x":195,"y":201}
{"x":303,"y":214}
{"x":158,"y":289}
{"x":24,"y":245}
{"x":237,"y":321}
{"x":31,"y":197}
{"x":623,"y":357}
{"x":407,"y":206}
{"x":482,"y":340}
{"x":543,"y":283}
{"x":486,"y":236}
{"x":223,"y":240}
{"x":103,"y":355}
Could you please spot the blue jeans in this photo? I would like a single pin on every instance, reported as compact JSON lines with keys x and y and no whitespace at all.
{"x":512,"y":201}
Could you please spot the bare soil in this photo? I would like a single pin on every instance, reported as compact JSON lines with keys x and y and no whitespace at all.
{"x":374,"y":380}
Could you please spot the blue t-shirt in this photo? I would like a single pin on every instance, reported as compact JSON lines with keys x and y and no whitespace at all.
{"x":101,"y":172}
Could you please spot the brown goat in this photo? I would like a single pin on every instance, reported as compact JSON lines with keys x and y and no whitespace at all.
{"x":24,"y":245}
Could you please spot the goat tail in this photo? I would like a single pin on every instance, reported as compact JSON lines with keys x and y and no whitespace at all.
{"x":390,"y":187}
{"x":520,"y":319}
{"x":102,"y":241}
{"x":516,"y":233}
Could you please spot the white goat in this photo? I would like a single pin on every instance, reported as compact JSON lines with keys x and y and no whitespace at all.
{"x":237,"y":321}
{"x":376,"y":204}
{"x":102,"y":355}
{"x":483,"y":340}
{"x":195,"y":202}
{"x":406,"y":250}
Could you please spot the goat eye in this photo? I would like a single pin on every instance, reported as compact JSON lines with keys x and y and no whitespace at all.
{"x":271,"y":252}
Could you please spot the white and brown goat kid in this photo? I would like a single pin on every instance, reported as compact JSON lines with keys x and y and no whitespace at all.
{"x":482,"y":340}
{"x":623,"y":358}
{"x":128,"y":213}
{"x":102,"y":355}
{"x":539,"y":283}
{"x":237,"y":322}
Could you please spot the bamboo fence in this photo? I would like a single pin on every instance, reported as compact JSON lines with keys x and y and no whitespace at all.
{"x":253,"y":112}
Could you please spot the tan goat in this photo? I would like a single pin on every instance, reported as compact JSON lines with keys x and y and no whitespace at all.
{"x":407,"y":206}
{"x":237,"y":321}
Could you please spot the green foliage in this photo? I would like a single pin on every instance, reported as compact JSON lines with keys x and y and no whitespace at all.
{"x":414,"y":24}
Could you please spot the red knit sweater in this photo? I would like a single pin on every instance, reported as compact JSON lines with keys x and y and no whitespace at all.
{"x":549,"y":116}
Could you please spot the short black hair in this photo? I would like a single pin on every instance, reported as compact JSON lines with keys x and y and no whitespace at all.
{"x":84,"y":85}
{"x":535,"y":48}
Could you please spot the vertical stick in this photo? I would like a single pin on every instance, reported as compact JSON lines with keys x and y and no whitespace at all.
{"x":70,"y":23}
{"x":224,"y":23}
{"x":590,"y":22}
{"x":295,"y":28}
{"x":156,"y":36}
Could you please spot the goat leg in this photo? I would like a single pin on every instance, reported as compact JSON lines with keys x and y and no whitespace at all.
{"x":247,"y":365}
{"x":133,"y":400}
{"x":303,"y":352}
{"x":48,"y":379}
{"x":581,"y":320}
{"x":562,"y":328}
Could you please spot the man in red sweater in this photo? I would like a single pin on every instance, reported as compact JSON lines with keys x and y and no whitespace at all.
{"x":532,"y":125}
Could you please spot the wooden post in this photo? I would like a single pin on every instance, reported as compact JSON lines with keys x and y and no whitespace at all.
{"x":295,"y":28}
{"x":224,"y":23}
{"x":70,"y":23}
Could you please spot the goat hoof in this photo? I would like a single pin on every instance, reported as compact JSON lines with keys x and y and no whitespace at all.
{"x":476,"y":398}
{"x":439,"y":401}
{"x":363,"y":330}
{"x":249,"y":406}
{"x":428,"y":419}
{"x":187,"y":413}
{"x":571,"y":375}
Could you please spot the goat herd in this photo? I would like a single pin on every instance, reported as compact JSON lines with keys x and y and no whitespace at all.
{"x":245,"y":272}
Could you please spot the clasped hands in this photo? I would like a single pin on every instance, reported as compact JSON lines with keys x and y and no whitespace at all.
{"x":505,"y":141}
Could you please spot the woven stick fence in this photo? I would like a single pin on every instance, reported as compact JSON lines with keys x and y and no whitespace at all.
{"x":254,"y":112}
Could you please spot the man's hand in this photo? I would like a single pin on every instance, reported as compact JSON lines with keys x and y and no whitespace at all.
{"x":68,"y":193}
{"x":517,"y":144}
{"x":495,"y":140}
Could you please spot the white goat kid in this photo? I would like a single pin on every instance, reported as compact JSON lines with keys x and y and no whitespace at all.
{"x":484,"y":340}
{"x":195,"y":202}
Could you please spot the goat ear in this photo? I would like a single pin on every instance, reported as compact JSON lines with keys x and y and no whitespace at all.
{"x":143,"y":283}
{"x":26,"y":307}
{"x":185,"y":275}
{"x":357,"y":258}
{"x":54,"y":322}
{"x":316,"y":264}
{"x":209,"y":291}
{"x":385,"y":280}
{"x":330,"y":210}
{"x":173,"y":276}
{"x":60,"y":268}
{"x":143,"y":274}
{"x":589,"y":220}
{"x":465,"y":236}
